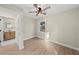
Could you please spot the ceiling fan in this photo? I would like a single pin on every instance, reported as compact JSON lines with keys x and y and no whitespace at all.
{"x":39,"y":10}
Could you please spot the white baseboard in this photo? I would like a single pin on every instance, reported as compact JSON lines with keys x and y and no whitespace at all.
{"x":29,"y":37}
{"x":77,"y":49}
{"x":41,"y":37}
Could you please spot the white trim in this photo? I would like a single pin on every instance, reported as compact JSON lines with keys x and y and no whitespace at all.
{"x":28,"y":38}
{"x":21,"y":47}
{"x":77,"y":49}
{"x":39,"y":36}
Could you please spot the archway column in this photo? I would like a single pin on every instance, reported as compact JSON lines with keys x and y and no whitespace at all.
{"x":19,"y":40}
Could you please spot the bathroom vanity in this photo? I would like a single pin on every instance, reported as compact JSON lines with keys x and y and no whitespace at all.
{"x":7,"y":29}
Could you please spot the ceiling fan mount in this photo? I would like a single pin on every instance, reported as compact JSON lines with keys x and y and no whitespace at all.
{"x":39,"y":10}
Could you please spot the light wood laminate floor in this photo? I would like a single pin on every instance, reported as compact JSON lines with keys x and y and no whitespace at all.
{"x":36,"y":46}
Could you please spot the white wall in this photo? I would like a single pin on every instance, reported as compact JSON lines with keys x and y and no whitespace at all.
{"x":27,"y":27}
{"x":78,"y":27}
{"x":8,"y":13}
{"x":63,"y":27}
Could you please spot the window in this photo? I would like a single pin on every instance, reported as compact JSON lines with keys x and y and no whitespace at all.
{"x":42,"y":26}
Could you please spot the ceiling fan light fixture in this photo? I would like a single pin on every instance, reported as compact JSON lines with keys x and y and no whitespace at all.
{"x":40,"y":10}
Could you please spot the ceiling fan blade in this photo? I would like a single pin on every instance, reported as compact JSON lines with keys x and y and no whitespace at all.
{"x":35,"y":5}
{"x":37,"y":13}
{"x":32,"y":12}
{"x":46,"y":8}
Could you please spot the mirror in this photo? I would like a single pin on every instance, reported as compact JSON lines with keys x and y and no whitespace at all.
{"x":9,"y":25}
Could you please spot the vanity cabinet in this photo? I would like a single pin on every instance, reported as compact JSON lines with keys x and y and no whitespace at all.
{"x":7,"y":30}
{"x":9,"y":35}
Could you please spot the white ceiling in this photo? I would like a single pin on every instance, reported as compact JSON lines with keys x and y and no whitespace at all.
{"x":25,"y":8}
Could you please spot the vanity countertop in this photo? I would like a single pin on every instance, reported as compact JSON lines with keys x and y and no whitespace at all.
{"x":9,"y":30}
